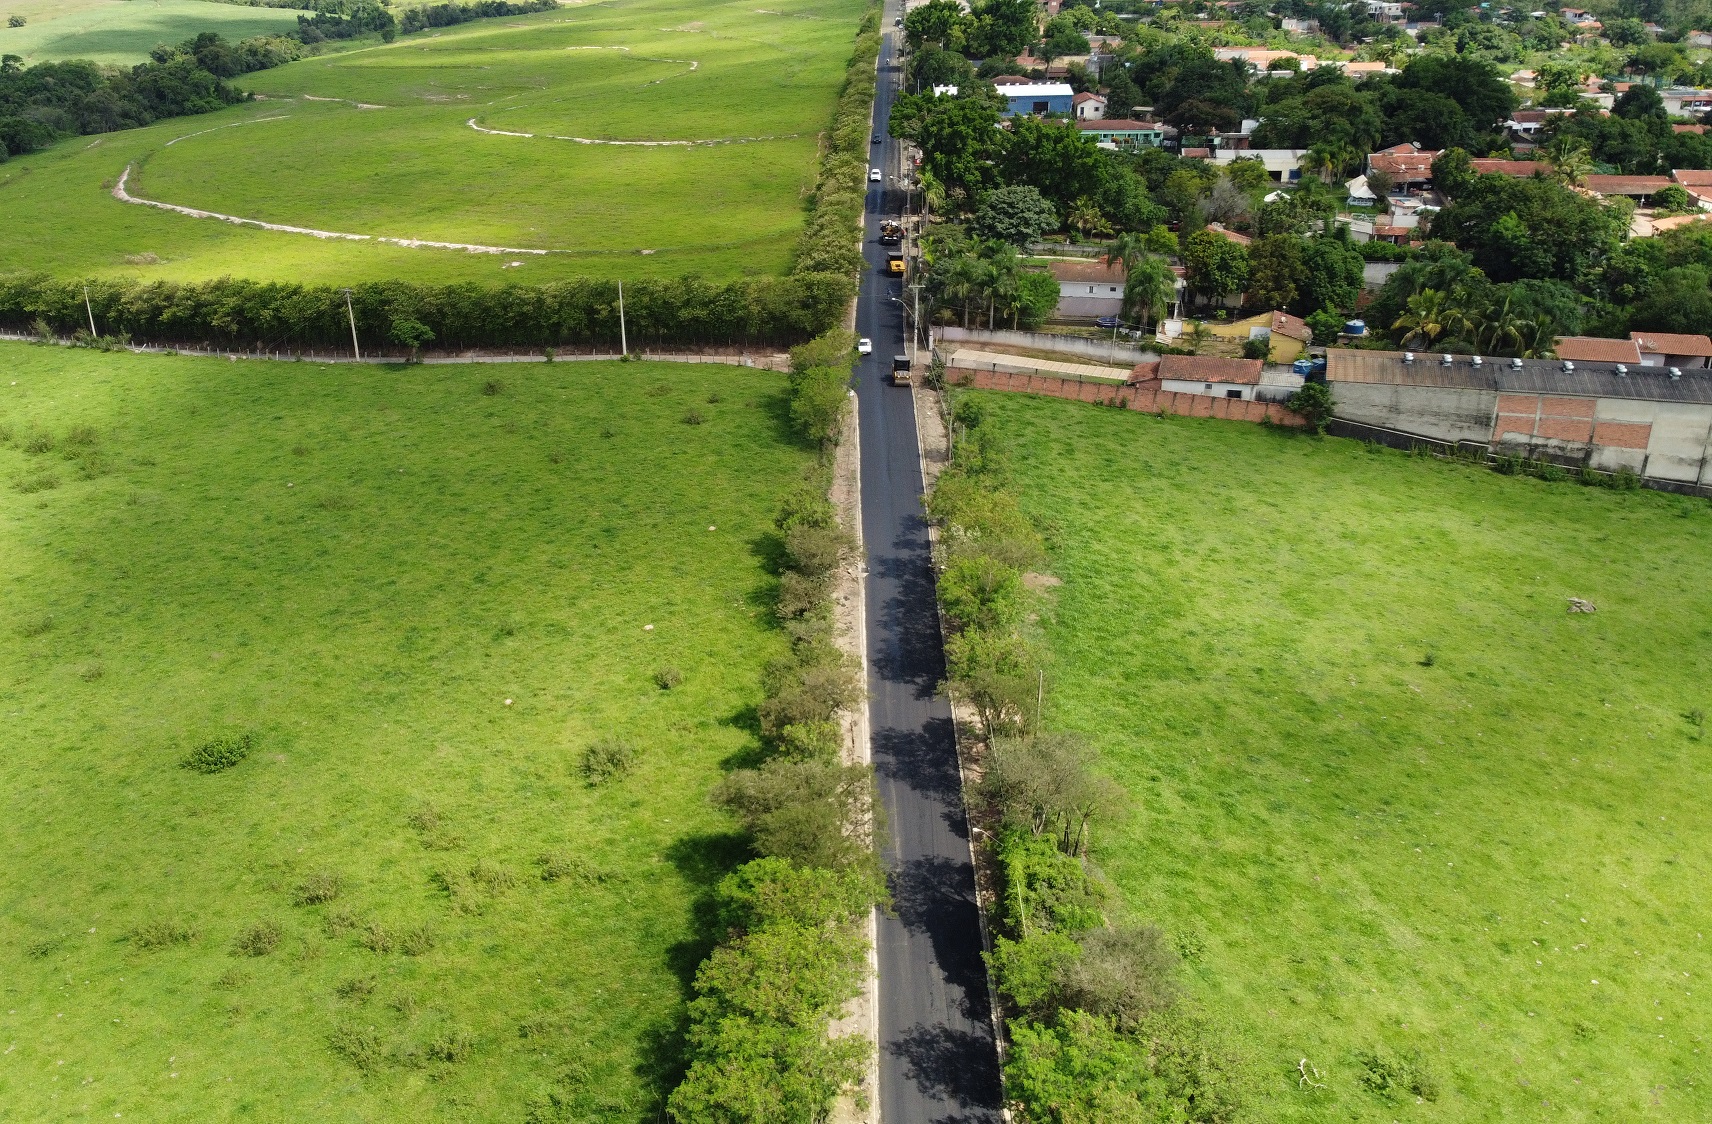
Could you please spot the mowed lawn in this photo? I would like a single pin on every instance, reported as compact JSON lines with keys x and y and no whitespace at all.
{"x":423,"y":602}
{"x":1396,"y":794}
{"x":410,"y":166}
{"x":123,"y":32}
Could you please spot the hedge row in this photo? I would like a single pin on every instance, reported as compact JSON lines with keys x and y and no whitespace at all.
{"x":794,"y":951}
{"x":830,"y":242}
{"x":390,"y":315}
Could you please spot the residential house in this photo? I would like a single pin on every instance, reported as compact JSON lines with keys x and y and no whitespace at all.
{"x":1698,"y":38}
{"x":1668,"y":349}
{"x":1597,"y":349}
{"x":1121,"y":133}
{"x":1235,"y":236}
{"x":1633,"y":187}
{"x":1210,"y":375}
{"x":1525,"y":124}
{"x":1197,"y":154}
{"x":1685,"y":101}
{"x":1356,"y":71}
{"x":945,"y":91}
{"x":1292,"y":26}
{"x":1263,"y":59}
{"x":1283,"y":165}
{"x":1037,"y":98}
{"x":1521,"y":169}
{"x":1580,"y":413}
{"x":1409,"y":165}
{"x":1088,"y":107}
{"x":1289,"y":335}
{"x":1088,"y":289}
{"x":1699,"y":130}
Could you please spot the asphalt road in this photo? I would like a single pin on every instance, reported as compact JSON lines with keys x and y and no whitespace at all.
{"x":938,"y":1061}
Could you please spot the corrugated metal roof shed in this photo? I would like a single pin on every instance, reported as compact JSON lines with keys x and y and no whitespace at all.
{"x":1536,"y":376}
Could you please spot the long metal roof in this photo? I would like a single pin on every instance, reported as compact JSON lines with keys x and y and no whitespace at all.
{"x":1534,"y":376}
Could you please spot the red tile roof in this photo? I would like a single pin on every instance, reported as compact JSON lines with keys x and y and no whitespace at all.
{"x":1626,"y":185}
{"x":1693,"y":177}
{"x":1699,"y":129}
{"x":1094,"y":270}
{"x":1144,"y":372}
{"x":1118,"y":125}
{"x":1292,"y":326}
{"x":1085,"y":97}
{"x":1409,"y":164}
{"x":1521,"y":168}
{"x":1596,"y":349}
{"x":1671,"y":343}
{"x":1197,"y":153}
{"x":1210,"y":368}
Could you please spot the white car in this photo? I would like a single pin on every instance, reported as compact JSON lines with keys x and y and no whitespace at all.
{"x":874,"y":175}
{"x":864,"y":346}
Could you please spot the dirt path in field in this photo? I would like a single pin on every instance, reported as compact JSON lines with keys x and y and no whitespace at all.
{"x":125,"y":196}
{"x":636,"y":143}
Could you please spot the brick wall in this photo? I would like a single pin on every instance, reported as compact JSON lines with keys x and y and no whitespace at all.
{"x":1147,"y":398}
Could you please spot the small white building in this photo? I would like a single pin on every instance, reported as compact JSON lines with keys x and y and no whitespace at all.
{"x":1211,"y":375}
{"x":1284,"y":165}
{"x":1088,"y":107}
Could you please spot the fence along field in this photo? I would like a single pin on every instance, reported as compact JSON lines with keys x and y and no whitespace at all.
{"x":406,"y":601}
{"x":1410,"y":821}
{"x":757,"y":86}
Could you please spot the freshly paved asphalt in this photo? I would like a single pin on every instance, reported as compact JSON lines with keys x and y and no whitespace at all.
{"x":938,"y":1061}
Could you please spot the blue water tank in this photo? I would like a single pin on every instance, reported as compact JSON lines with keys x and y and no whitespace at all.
{"x":1355,"y":328}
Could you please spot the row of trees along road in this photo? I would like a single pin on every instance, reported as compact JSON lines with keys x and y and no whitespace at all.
{"x":792,"y":945}
{"x":1099,"y":1025}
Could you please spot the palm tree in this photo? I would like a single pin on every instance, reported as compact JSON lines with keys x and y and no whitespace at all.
{"x":1149,"y":288}
{"x":1425,"y":317}
{"x":1128,"y":248}
{"x":1570,"y":159}
{"x":1329,"y":158}
{"x":996,"y":274}
{"x":1085,"y":218}
{"x":961,"y":281}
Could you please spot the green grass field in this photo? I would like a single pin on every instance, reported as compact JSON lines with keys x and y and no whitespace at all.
{"x":361,"y":567}
{"x":1378,"y":850}
{"x":122,"y":32}
{"x":629,"y":70}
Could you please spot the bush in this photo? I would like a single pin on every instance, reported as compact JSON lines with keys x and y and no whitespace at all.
{"x":1315,"y":404}
{"x":815,"y":813}
{"x":219,"y":754}
{"x":359,"y":1045}
{"x":667,"y":678}
{"x":1393,"y":1076}
{"x":557,"y":865}
{"x":162,"y":933}
{"x":757,"y":1044}
{"x":258,"y":939}
{"x":981,"y":592}
{"x":608,"y":759}
{"x":416,"y":941}
{"x":1122,"y":974}
{"x":1260,"y":347}
{"x":321,"y":887}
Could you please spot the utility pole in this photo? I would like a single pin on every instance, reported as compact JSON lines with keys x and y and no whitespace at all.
{"x":915,"y":321}
{"x":91,"y":311}
{"x":623,"y":339}
{"x":350,"y":312}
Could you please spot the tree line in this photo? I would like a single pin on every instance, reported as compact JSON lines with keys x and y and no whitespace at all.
{"x":828,"y":243}
{"x":793,"y":948}
{"x":400,"y":316}
{"x":1098,"y":1023}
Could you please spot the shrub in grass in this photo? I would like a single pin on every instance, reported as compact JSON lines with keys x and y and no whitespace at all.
{"x":36,"y":626}
{"x":321,"y":887}
{"x":1393,"y":1076}
{"x":451,"y":1046}
{"x":338,"y":922}
{"x":659,"y":390}
{"x":356,"y":989}
{"x":416,"y":941}
{"x":91,"y":673}
{"x":258,"y":939}
{"x":162,"y":933}
{"x":375,"y":938}
{"x":493,"y":388}
{"x":219,"y":754}
{"x":492,"y":877}
{"x":38,"y":442}
{"x":40,"y":481}
{"x":693,"y":417}
{"x":1625,"y":479}
{"x":562,"y":866}
{"x":431,"y":827}
{"x":232,"y":978}
{"x":43,"y":947}
{"x":668,"y":677}
{"x":608,"y":759}
{"x":358,"y":1045}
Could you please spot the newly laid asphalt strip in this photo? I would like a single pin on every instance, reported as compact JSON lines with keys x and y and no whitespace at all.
{"x":938,"y":1060}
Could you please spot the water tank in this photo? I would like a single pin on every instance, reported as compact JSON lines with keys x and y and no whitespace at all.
{"x":1355,"y":327}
